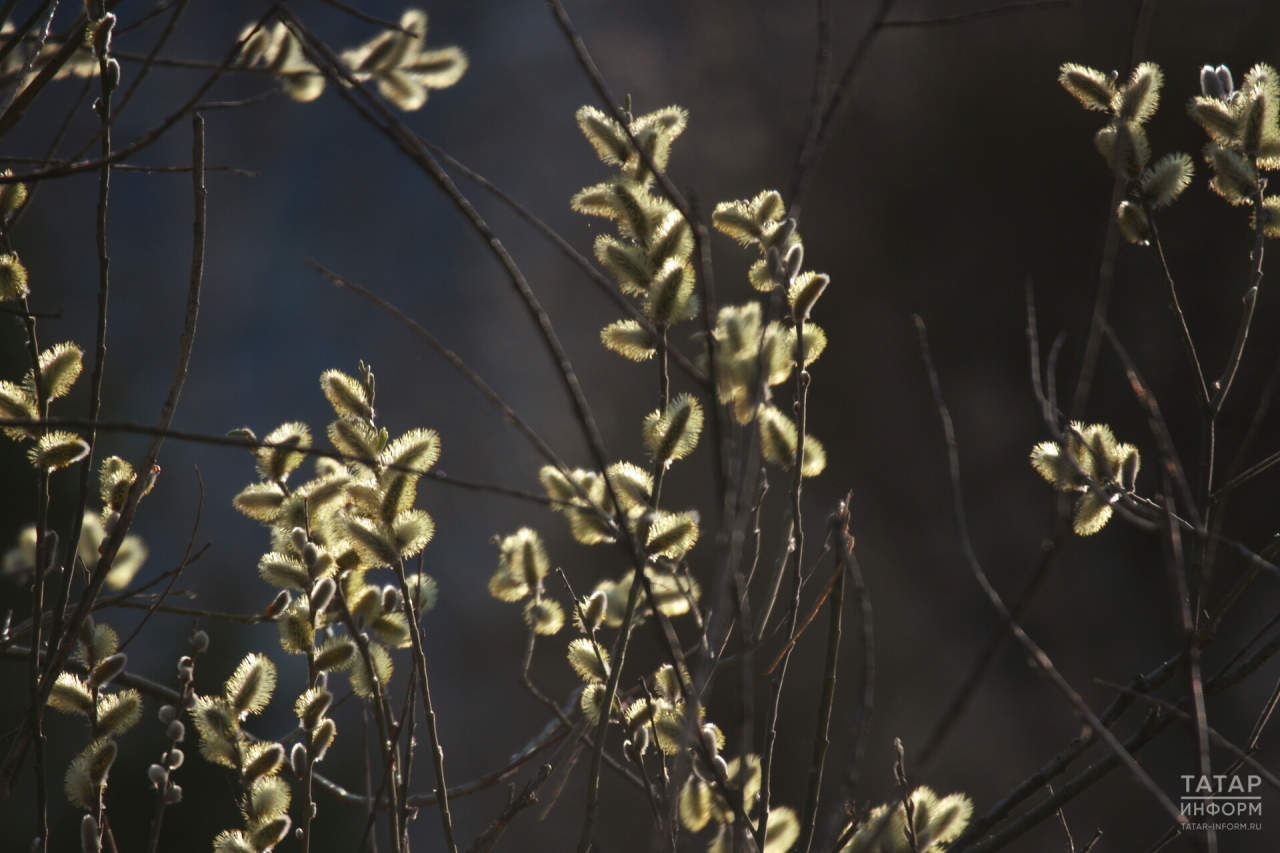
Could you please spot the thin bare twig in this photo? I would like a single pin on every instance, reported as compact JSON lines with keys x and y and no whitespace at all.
{"x":529,"y":797}
{"x":1037,"y":654}
{"x":821,"y":739}
{"x":979,"y":14}
{"x":369,"y":19}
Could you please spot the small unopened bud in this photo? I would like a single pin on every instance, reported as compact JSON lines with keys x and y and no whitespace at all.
{"x":390,"y":599}
{"x":280,"y":603}
{"x":97,"y":105}
{"x":104,"y":672}
{"x":189,"y":701}
{"x":102,"y":35}
{"x":298,"y":759}
{"x":640,"y":738}
{"x":147,"y":481}
{"x":1209,"y":85}
{"x":709,"y":740}
{"x":1224,"y":80}
{"x":173,"y":794}
{"x":90,"y":839}
{"x":111,"y":75}
{"x":199,"y":642}
{"x":186,"y":670}
{"x":176,"y":731}
{"x":157,"y":774}
{"x":174,"y":758}
{"x":298,"y":537}
{"x":593,"y":615}
{"x":792,"y":262}
{"x":1129,"y":471}
{"x":167,"y":714}
{"x":322,"y":594}
{"x":310,"y":555}
{"x":721,"y":769}
{"x":322,"y":679}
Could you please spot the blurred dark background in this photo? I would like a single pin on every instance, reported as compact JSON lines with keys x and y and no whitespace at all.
{"x":959,"y":171}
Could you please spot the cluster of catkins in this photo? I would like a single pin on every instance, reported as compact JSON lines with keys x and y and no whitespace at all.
{"x":1243,"y":125}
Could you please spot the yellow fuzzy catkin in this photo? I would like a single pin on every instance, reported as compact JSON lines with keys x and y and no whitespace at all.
{"x":249,"y":688}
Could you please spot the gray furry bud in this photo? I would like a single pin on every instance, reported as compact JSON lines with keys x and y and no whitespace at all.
{"x":298,"y":759}
{"x":111,"y":75}
{"x":640,"y":738}
{"x":104,"y":672}
{"x":1224,"y":80}
{"x":173,"y":794}
{"x":174,"y":758}
{"x":90,"y":839}
{"x":102,"y":35}
{"x":280,"y":603}
{"x":298,"y":537}
{"x":176,"y":731}
{"x":1129,"y":472}
{"x":1209,"y":85}
{"x":157,"y":774}
{"x":709,"y":740}
{"x":322,"y":594}
{"x":390,"y":599}
{"x":792,"y":262}
{"x":167,"y":714}
{"x":199,"y":642}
